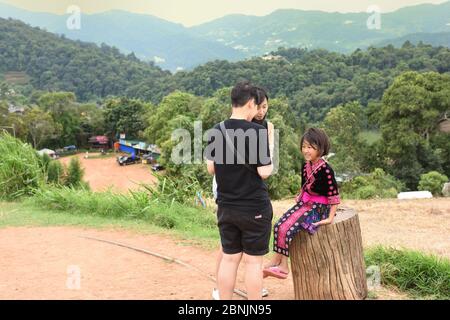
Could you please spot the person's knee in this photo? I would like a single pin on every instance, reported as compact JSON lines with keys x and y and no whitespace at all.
{"x":248,"y":259}
{"x":232,"y":258}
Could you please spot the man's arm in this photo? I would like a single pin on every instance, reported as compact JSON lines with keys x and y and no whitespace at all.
{"x":265,"y":168}
{"x":271,"y":132}
{"x":210,"y":167}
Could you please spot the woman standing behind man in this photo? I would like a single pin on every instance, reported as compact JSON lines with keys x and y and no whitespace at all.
{"x":261,"y":119}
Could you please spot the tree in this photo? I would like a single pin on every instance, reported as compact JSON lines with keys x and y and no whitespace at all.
{"x":344,"y":125}
{"x":123,"y":115}
{"x":40,"y":125}
{"x":62,"y":106}
{"x":411,"y":110}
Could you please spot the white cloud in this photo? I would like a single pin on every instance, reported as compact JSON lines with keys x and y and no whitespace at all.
{"x":159,"y":59}
{"x":240,"y":47}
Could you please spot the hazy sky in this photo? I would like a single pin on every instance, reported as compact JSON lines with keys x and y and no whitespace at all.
{"x":192,"y":12}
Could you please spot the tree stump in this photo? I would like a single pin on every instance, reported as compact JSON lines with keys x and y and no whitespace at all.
{"x":329,"y":265}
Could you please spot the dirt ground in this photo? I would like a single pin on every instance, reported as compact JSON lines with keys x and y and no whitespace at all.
{"x":104,"y":173}
{"x":422,"y":224}
{"x":36,"y":262}
{"x":42,"y":263}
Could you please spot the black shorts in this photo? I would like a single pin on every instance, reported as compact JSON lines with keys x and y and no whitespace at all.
{"x":245,"y":231}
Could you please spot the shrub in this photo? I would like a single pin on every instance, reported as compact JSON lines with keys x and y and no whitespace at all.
{"x":21,"y":169}
{"x":55,"y":172}
{"x":378,"y":184}
{"x":432,"y":181}
{"x":74,"y":173}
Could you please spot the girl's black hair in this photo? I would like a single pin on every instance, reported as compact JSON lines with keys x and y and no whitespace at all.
{"x":262,"y":93}
{"x":318,"y":139}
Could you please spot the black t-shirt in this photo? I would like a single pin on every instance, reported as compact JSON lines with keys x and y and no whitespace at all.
{"x":239,"y":186}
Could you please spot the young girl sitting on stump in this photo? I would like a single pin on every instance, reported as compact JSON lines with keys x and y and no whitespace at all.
{"x":316,"y":203}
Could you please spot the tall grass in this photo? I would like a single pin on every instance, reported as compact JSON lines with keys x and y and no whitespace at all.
{"x":21,"y":169}
{"x":421,"y":275}
{"x":135,"y":205}
{"x":181,"y":189}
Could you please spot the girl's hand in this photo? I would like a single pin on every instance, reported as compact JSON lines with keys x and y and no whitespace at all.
{"x":322,"y":222}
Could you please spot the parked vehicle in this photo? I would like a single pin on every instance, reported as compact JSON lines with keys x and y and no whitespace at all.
{"x":70,"y":148}
{"x":157,"y":167}
{"x":124,"y":160}
{"x":148,"y":159}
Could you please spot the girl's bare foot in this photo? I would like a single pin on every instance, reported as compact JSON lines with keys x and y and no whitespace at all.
{"x":273,"y":263}
{"x":284,"y":266}
{"x":284,"y":269}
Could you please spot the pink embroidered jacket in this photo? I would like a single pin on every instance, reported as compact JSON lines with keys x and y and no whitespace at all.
{"x":319,"y":179}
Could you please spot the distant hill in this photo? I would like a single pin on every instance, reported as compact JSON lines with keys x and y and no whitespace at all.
{"x":52,"y":62}
{"x":435,"y":39}
{"x":235,"y":37}
{"x":168,"y":44}
{"x":315,"y":29}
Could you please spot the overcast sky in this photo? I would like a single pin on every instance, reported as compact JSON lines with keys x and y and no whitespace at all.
{"x":192,"y":12}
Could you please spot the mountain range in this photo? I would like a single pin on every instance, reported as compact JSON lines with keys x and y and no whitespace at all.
{"x":174,"y":47}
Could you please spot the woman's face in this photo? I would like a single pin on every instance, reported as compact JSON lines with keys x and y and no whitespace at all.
{"x":262,"y":110}
{"x":310,"y":152}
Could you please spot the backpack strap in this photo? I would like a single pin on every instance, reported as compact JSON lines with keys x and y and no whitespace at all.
{"x":232,"y":147}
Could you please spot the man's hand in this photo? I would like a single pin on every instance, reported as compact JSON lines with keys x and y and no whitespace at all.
{"x":265,"y":171}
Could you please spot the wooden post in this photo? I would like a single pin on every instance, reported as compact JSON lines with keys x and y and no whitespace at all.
{"x":329,"y":265}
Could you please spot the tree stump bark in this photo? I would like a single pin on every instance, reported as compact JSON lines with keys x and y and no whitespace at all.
{"x":329,"y":265}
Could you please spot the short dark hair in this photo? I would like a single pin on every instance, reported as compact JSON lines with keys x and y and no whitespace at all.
{"x":317,"y":138}
{"x":242,"y":93}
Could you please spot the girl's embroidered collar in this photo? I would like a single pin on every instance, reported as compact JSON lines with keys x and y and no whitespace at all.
{"x":316,"y":165}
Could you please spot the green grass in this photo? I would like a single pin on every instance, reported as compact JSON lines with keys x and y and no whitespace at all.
{"x":194,"y":222}
{"x":420,"y":275}
{"x":16,"y":214}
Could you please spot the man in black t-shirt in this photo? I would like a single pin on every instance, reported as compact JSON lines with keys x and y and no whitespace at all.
{"x":238,"y":154}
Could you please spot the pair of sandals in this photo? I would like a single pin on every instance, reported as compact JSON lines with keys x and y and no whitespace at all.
{"x":274,"y":271}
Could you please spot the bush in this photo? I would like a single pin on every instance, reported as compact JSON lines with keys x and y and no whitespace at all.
{"x":74,"y":173}
{"x":366,"y":192}
{"x":21,"y":169}
{"x":378,"y":184}
{"x":423,"y":276}
{"x":432,"y":181}
{"x":55,"y":172}
{"x":45,"y":161}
